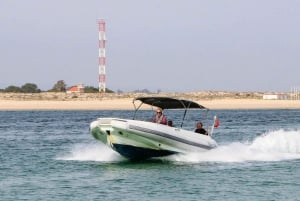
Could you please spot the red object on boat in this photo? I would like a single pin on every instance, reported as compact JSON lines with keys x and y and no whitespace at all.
{"x":217,"y":123}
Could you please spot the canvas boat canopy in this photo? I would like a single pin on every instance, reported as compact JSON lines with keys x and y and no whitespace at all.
{"x":169,"y":103}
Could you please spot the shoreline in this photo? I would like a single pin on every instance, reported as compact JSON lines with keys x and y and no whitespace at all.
{"x":126,"y":104}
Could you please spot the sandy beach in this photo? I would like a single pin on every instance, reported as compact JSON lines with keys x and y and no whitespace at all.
{"x":123,"y":101}
{"x":126,"y":104}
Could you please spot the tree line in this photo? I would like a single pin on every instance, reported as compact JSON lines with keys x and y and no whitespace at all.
{"x":59,"y":86}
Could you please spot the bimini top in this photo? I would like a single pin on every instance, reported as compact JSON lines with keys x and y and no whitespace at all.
{"x":169,"y":103}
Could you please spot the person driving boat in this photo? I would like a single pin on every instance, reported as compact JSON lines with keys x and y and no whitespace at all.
{"x":160,"y":118}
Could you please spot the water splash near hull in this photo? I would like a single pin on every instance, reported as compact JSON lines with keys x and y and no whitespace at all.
{"x":91,"y":152}
{"x":271,"y":146}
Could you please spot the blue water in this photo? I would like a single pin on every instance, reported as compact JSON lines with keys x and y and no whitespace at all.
{"x":50,"y":155}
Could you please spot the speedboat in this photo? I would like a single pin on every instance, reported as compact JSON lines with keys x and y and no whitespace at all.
{"x":141,"y":139}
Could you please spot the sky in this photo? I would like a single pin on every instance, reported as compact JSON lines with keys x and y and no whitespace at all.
{"x":166,"y":45}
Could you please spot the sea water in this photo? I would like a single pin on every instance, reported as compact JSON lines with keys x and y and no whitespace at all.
{"x":50,"y":155}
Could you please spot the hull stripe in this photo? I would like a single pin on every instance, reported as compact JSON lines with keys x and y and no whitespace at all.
{"x":165,"y":135}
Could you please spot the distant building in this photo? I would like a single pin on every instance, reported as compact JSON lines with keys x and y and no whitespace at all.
{"x":279,"y":96}
{"x":75,"y":89}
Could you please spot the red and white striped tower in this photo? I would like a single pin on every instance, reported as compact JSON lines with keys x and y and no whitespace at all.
{"x":102,"y":39}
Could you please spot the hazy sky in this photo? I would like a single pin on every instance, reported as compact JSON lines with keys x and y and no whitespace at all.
{"x":170,"y":45}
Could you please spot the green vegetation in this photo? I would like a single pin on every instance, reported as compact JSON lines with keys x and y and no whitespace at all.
{"x":30,"y":88}
{"x":108,"y":90}
{"x":26,"y":88}
{"x":13,"y":89}
{"x":90,"y":89}
{"x":59,"y":86}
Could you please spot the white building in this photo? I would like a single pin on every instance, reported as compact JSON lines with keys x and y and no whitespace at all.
{"x":275,"y":97}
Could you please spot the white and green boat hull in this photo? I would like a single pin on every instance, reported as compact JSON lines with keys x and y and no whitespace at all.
{"x":137,"y":140}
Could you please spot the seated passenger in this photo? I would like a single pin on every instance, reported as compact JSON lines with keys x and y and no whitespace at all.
{"x":170,"y":123}
{"x":199,"y":129}
{"x":159,"y":118}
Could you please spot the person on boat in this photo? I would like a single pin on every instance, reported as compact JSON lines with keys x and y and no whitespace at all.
{"x":160,"y":118}
{"x":199,"y":129}
{"x":170,"y":123}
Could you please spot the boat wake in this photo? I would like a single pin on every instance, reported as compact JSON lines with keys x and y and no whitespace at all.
{"x":271,"y":146}
{"x":91,"y":152}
